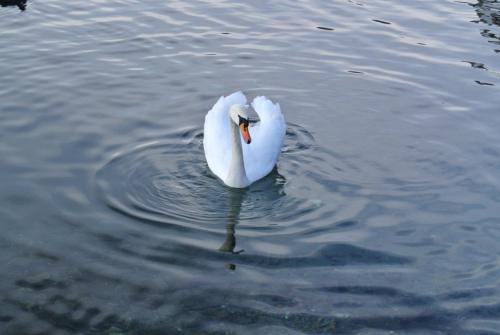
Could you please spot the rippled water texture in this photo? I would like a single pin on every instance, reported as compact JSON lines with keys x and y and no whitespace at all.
{"x":383,"y":212}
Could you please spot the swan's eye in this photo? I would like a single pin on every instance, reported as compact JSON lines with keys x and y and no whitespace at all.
{"x":243,"y":121}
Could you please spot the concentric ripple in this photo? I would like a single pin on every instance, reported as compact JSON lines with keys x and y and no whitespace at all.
{"x":167,"y":182}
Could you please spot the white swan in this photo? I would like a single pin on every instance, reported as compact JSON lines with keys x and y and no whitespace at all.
{"x":241,"y":160}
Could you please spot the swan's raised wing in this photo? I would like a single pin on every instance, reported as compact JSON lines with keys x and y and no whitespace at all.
{"x":216,"y":134}
{"x":261,"y":155}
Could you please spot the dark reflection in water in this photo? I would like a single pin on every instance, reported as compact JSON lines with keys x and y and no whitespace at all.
{"x":381,"y":21}
{"x":193,"y":306}
{"x":476,"y":65}
{"x":325,"y":28}
{"x":21,"y":4}
{"x":483,"y":83}
{"x":488,"y":12}
{"x":269,"y":189}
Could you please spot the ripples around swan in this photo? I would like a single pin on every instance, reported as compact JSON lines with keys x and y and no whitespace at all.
{"x":167,"y":182}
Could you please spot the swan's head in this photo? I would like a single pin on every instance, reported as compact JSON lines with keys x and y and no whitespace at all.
{"x":238,"y":114}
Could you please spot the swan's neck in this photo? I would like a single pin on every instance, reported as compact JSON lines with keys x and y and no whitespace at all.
{"x":237,"y":176}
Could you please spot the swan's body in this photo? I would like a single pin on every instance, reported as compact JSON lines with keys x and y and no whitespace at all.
{"x":237,"y":161}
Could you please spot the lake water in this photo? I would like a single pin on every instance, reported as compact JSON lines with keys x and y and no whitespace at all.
{"x":383,"y":213}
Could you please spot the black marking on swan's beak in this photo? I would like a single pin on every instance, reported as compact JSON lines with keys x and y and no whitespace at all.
{"x":242,"y":120}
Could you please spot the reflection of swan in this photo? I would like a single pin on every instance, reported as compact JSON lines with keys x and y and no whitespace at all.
{"x":236,"y":164}
{"x":235,"y":200}
{"x":21,"y":4}
{"x":266,"y":192}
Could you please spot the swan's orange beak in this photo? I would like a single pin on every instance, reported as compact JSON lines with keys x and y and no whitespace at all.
{"x":245,"y":133}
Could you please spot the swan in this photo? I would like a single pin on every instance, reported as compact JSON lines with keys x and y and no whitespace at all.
{"x":237,"y":153}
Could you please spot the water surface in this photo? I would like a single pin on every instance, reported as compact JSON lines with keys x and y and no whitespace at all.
{"x":382,"y":214}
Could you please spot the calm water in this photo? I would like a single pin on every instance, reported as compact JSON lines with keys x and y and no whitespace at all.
{"x":382,"y":215}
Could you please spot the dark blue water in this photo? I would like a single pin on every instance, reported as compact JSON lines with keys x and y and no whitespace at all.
{"x":382,"y":215}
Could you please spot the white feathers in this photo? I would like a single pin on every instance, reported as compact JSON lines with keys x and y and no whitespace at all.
{"x":261,"y":155}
